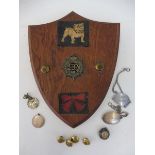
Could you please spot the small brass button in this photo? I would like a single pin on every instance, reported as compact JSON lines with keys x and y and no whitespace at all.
{"x":69,"y":143}
{"x":74,"y":139}
{"x":104,"y":133}
{"x":99,"y":66}
{"x":86,"y":141}
{"x":61,"y":139}
{"x":38,"y":121}
{"x":45,"y":69}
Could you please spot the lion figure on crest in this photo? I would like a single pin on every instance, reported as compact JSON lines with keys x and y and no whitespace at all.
{"x":76,"y":32}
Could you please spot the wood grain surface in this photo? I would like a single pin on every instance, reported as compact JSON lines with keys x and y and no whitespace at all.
{"x":103,"y":48}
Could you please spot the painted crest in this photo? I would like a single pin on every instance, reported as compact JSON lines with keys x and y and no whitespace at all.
{"x":73,"y":61}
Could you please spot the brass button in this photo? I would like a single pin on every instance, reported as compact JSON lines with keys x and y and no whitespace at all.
{"x":45,"y":69}
{"x":99,"y":66}
{"x":86,"y":141}
{"x":38,"y":121}
{"x":69,"y":143}
{"x":61,"y":139}
{"x":74,"y":139}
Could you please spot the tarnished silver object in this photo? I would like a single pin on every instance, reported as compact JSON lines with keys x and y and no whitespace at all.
{"x":120,"y":97}
{"x":113,"y":117}
{"x":38,"y":121}
{"x":32,"y":102}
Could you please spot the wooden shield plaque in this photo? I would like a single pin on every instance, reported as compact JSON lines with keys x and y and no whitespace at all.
{"x":73,"y":61}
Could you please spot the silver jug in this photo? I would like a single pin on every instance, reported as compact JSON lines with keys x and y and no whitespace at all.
{"x":120,"y":98}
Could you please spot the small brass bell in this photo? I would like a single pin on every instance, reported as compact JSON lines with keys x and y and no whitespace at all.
{"x":86,"y":141}
{"x":74,"y":139}
{"x":69,"y":143}
{"x":45,"y":69}
{"x":104,"y":133}
{"x":32,"y":102}
{"x":61,"y":139}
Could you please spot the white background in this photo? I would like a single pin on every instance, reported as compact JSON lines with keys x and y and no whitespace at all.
{"x":9,"y":79}
{"x":43,"y":141}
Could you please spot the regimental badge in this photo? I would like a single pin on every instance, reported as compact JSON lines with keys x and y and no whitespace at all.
{"x":73,"y":67}
{"x":73,"y":61}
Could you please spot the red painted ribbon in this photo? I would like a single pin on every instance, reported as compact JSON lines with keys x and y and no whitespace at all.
{"x":76,"y":100}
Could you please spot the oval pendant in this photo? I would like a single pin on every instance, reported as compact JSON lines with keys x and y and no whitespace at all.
{"x":38,"y":121}
{"x":111,"y":117}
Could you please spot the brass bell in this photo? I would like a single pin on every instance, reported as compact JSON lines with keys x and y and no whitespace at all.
{"x":104,"y":133}
{"x":99,"y":66}
{"x":74,"y":139}
{"x":69,"y":143}
{"x":45,"y":69}
{"x":86,"y":141}
{"x":61,"y":139}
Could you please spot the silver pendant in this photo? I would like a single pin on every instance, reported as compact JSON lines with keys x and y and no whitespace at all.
{"x":38,"y":121}
{"x":32,"y":102}
{"x":114,"y":117}
{"x":120,"y":98}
